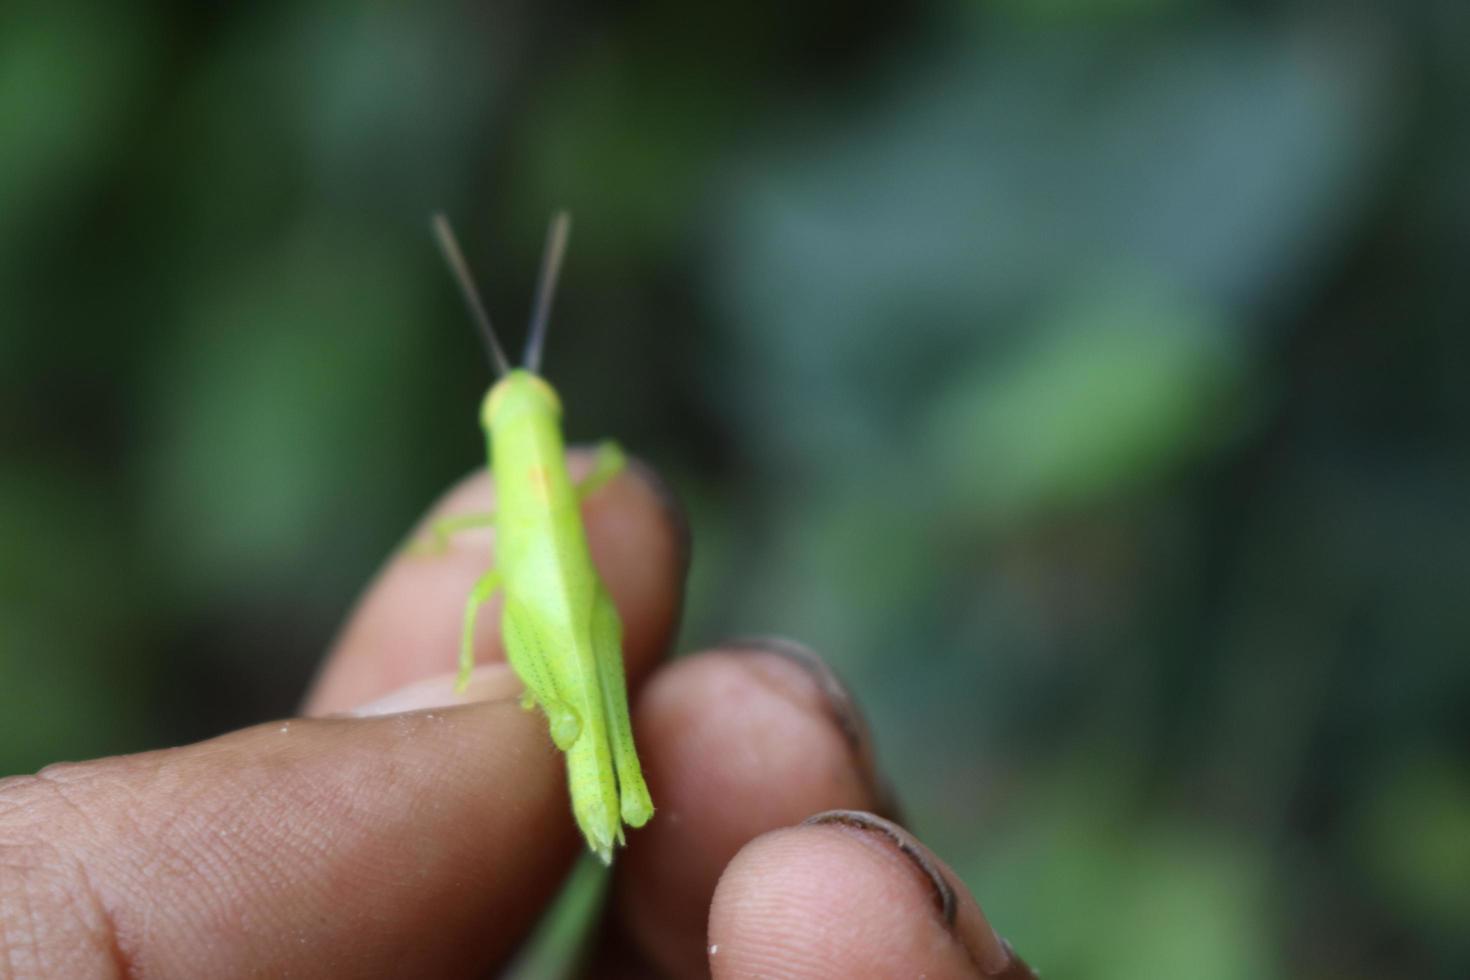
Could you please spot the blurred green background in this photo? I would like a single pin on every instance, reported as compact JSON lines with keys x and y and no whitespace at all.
{"x":1085,"y":378}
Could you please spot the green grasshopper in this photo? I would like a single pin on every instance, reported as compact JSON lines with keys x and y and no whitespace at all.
{"x":560,"y":628}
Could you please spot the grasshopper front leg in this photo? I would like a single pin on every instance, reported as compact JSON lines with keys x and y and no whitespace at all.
{"x":441,"y":530}
{"x":609,"y":462}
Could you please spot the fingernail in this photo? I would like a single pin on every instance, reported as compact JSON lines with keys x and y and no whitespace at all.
{"x":993,"y":957}
{"x":841,"y":708}
{"x":1016,"y":969}
{"x":944,"y":899}
{"x":487,"y":682}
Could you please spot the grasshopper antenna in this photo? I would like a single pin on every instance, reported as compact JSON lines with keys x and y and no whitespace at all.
{"x":556,"y":247}
{"x":450,"y":247}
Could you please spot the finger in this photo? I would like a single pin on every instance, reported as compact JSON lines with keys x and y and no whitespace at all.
{"x":849,"y":894}
{"x":407,"y":626}
{"x":416,"y":844}
{"x":735,"y":742}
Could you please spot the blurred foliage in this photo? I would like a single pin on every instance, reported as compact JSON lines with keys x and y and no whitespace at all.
{"x":1085,"y":378}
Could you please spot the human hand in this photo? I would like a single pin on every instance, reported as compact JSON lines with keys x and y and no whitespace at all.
{"x":400,"y":830}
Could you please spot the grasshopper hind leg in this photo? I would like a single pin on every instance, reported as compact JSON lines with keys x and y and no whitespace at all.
{"x":607,"y":641}
{"x":564,"y":723}
{"x":523,"y":644}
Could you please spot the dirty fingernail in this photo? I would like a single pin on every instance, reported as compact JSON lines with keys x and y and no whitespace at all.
{"x":1016,"y":969}
{"x":991,"y":954}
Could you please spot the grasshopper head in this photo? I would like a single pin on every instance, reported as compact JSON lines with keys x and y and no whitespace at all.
{"x":517,"y":393}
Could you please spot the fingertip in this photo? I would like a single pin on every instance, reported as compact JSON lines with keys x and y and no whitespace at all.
{"x":848,"y":895}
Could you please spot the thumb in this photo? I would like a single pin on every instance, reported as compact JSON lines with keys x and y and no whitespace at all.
{"x":414,"y":844}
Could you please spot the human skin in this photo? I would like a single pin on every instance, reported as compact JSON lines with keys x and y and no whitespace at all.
{"x":398,"y":829}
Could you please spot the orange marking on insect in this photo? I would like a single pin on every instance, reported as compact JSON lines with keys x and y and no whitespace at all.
{"x":540,"y":482}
